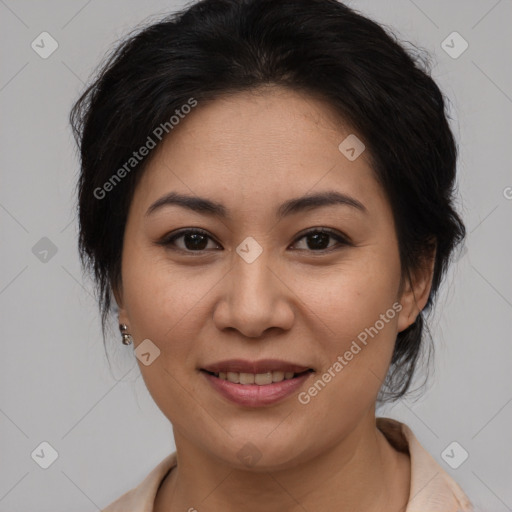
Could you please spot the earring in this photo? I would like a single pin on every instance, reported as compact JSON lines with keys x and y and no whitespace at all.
{"x":127,"y":337}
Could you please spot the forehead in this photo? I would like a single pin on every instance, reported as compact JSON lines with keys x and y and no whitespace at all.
{"x":263,"y":145}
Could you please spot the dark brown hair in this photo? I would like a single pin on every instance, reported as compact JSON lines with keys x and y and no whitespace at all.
{"x":322,"y":47}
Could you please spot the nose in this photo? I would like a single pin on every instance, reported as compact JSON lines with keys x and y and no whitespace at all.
{"x":255,"y":299}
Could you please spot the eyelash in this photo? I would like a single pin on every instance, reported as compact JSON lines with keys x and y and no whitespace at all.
{"x":168,"y":240}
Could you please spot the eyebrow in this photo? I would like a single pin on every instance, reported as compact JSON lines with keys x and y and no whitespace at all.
{"x":290,"y":207}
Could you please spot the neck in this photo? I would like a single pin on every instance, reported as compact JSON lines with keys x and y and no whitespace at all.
{"x":362,"y":472}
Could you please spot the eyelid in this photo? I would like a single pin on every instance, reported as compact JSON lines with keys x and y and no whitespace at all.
{"x":341,"y":238}
{"x":322,"y":229}
{"x":168,"y":239}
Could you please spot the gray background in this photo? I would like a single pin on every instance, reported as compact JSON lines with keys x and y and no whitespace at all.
{"x":56,"y":384}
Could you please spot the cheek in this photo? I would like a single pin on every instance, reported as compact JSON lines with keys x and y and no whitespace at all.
{"x":355,"y":333}
{"x":167,"y":306}
{"x":356,"y":312}
{"x":165,"y":302}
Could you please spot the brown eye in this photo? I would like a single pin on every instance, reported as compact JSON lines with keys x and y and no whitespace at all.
{"x":319,"y":240}
{"x":191,"y":240}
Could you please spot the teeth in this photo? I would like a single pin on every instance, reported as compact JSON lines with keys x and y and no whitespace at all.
{"x":234,"y":377}
{"x":261,"y":379}
{"x":247,"y":378}
{"x":277,"y":376}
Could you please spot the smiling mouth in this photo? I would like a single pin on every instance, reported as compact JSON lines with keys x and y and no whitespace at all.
{"x":260,"y":379}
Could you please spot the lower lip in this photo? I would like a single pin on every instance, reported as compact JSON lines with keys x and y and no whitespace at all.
{"x":253,"y":395}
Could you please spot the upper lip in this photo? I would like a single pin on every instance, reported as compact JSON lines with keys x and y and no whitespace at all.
{"x":261,"y":366}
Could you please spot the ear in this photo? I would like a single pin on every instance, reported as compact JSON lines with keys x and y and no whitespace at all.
{"x":416,"y":290}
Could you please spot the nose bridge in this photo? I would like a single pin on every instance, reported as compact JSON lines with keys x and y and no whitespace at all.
{"x":254,"y":300}
{"x":251,"y":287}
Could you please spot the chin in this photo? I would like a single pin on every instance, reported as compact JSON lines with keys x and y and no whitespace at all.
{"x":260,"y":454}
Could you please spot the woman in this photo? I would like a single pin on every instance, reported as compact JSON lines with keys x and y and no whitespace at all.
{"x":266,"y":193}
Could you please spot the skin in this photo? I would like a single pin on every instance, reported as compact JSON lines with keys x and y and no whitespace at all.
{"x":251,"y":152}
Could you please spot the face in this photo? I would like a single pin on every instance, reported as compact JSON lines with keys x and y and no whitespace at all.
{"x":263,"y":281}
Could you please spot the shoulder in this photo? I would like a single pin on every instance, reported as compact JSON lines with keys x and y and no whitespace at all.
{"x":142,"y":497}
{"x":432,"y":488}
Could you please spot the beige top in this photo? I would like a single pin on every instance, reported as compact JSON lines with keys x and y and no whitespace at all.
{"x":432,"y":489}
